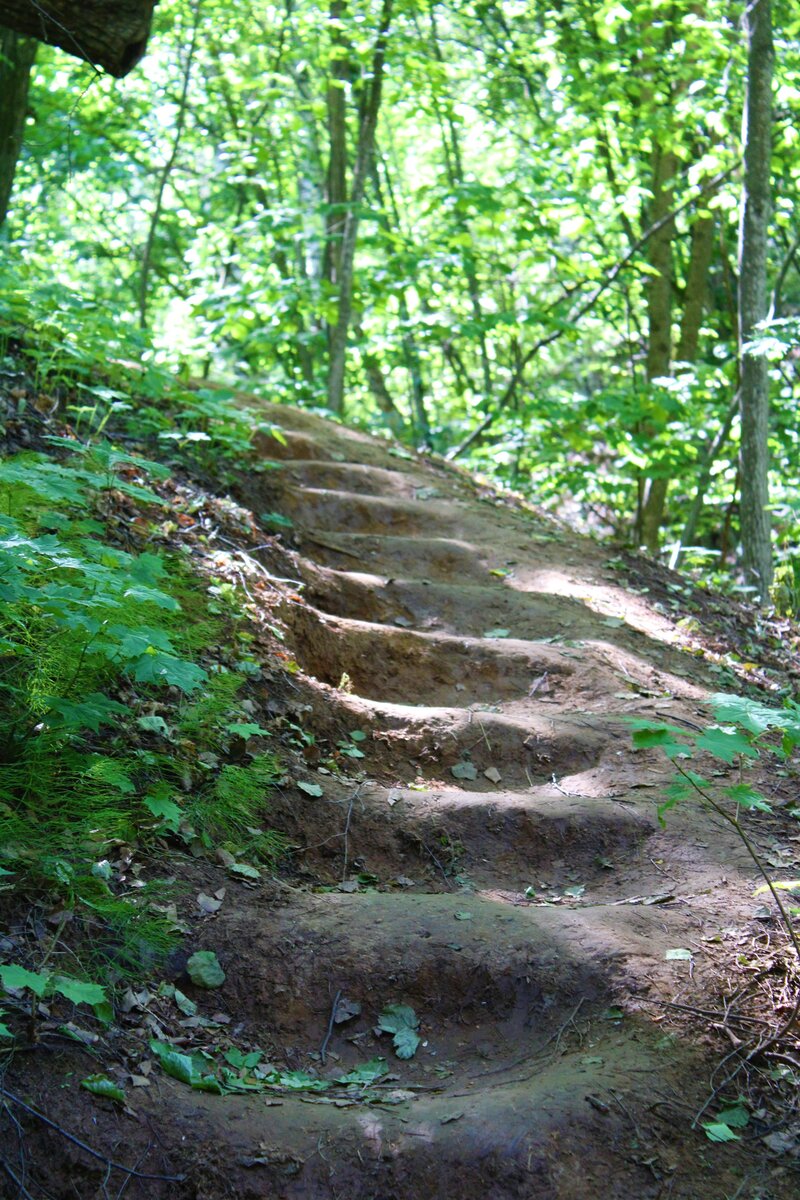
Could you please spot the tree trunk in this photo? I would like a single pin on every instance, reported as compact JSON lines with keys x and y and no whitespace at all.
{"x":694,"y":299}
{"x":16,"y":59}
{"x":366,"y":144}
{"x":659,"y":319}
{"x":455,"y":172}
{"x":166,"y":171}
{"x":754,"y":392}
{"x":411,"y":356}
{"x":111,"y":33}
{"x":336,"y":183}
{"x":378,"y":388}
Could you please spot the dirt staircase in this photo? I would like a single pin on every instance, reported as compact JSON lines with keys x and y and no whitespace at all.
{"x":525,"y":913}
{"x":525,"y":898}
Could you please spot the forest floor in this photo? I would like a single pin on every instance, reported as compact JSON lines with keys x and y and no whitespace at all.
{"x":493,"y":862}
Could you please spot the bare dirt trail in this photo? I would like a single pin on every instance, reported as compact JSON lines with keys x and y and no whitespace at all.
{"x":493,"y":861}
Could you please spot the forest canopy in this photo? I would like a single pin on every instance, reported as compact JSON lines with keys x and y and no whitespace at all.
{"x":508,"y":232}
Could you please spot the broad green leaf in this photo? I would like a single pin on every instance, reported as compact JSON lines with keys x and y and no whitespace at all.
{"x":736,"y":1117}
{"x":13,"y":976}
{"x":153,"y":724}
{"x":241,"y":1061}
{"x":647,"y":735}
{"x":716,"y":1131}
{"x":187,"y":1006}
{"x":79,"y":992}
{"x":90,"y":713}
{"x":160,"y":803}
{"x":244,"y":870}
{"x":725,"y":742}
{"x":157,"y":667}
{"x":747,"y":797}
{"x":365,"y":1073}
{"x":750,"y":713}
{"x":204,"y":970}
{"x":310,"y":789}
{"x":101,"y":1085}
{"x":406,"y":1043}
{"x":245,"y":729}
{"x":300,"y":1081}
{"x":186,"y":1068}
{"x":402,"y":1021}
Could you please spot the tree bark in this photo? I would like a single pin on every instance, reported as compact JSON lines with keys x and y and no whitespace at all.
{"x":336,"y":182}
{"x":166,"y":171}
{"x":110,"y":33}
{"x":364,"y":151}
{"x":16,"y":59}
{"x":659,"y":319}
{"x":754,"y":369}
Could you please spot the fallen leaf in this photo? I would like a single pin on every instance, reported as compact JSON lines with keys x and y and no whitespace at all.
{"x":207,"y":903}
{"x":310,"y":789}
{"x":492,"y":774}
{"x":464,"y":770}
{"x":204,"y":970}
{"x":101,"y":1085}
{"x":678,"y":955}
{"x":346,"y":1010}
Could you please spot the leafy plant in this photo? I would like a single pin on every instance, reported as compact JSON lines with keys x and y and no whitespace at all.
{"x":238,"y":1072}
{"x":745,"y":730}
{"x":402,"y":1022}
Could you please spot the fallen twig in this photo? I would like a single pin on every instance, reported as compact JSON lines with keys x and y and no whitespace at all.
{"x":82,"y":1145}
{"x":323,"y":1048}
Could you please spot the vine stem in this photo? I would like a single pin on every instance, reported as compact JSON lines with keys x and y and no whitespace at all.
{"x":734,"y":822}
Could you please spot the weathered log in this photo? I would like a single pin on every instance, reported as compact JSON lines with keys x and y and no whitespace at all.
{"x":110,"y":33}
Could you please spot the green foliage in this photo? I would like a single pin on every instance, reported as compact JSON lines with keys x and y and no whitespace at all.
{"x":401,"y":1021}
{"x":747,"y":730}
{"x":90,"y":635}
{"x":513,"y":179}
{"x":15,"y":978}
{"x":230,"y":809}
{"x":235,"y":1071}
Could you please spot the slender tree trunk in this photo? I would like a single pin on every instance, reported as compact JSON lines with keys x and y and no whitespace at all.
{"x":704,"y":478}
{"x":411,"y":356}
{"x":336,"y":182}
{"x":166,"y":171}
{"x":377,"y":386}
{"x":659,"y":319}
{"x":754,"y":392}
{"x":16,"y":59}
{"x":694,"y":299}
{"x":364,"y":151}
{"x":455,"y":172}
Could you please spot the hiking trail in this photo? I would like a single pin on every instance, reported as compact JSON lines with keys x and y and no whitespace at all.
{"x":494,"y":861}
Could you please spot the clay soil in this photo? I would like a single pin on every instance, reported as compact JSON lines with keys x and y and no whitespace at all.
{"x":494,"y":861}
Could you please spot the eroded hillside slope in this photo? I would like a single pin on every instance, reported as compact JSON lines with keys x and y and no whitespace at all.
{"x":490,"y":858}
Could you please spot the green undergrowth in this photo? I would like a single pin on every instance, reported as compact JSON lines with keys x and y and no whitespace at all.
{"x":117,"y":723}
{"x":103,"y":373}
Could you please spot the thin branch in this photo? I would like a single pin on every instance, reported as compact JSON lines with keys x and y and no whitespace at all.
{"x":584,"y":307}
{"x":82,"y":1145}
